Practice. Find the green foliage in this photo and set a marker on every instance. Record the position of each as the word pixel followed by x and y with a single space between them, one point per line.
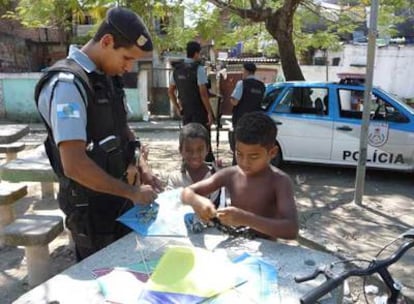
pixel 208 23
pixel 42 13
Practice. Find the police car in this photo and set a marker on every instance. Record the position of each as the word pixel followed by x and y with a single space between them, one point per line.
pixel 321 123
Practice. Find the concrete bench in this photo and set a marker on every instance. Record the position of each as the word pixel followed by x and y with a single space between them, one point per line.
pixel 9 194
pixel 10 133
pixel 11 150
pixel 34 232
pixel 32 167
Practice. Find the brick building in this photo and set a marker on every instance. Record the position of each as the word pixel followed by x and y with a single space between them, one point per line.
pixel 27 49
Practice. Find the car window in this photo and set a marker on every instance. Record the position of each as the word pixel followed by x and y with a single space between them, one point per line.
pixel 351 105
pixel 387 112
pixel 270 98
pixel 307 100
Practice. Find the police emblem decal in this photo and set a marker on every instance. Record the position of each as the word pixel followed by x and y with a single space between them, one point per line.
pixel 141 40
pixel 377 134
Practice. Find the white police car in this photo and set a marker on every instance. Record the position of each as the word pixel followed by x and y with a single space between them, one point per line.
pixel 321 123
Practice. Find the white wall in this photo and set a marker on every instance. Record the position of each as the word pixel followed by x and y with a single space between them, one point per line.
pixel 393 68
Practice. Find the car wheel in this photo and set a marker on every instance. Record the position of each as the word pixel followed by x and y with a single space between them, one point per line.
pixel 278 159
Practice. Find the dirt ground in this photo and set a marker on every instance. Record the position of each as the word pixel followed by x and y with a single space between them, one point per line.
pixel 329 220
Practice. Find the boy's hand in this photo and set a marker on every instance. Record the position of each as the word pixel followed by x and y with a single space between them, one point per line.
pixel 205 209
pixel 231 216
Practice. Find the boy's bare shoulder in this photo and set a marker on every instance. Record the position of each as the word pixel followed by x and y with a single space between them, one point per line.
pixel 280 174
pixel 227 171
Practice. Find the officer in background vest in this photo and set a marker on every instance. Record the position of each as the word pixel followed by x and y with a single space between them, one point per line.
pixel 189 78
pixel 247 97
pixel 90 146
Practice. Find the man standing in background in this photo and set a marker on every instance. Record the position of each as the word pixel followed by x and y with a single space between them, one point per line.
pixel 247 97
pixel 189 79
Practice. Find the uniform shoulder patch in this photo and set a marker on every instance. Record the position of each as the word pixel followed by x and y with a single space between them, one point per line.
pixel 68 110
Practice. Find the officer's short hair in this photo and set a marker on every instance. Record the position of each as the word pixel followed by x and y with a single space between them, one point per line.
pixel 193 130
pixel 126 27
pixel 256 128
pixel 192 48
pixel 250 67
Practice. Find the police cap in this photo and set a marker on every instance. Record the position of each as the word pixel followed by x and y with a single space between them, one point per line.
pixel 249 66
pixel 130 26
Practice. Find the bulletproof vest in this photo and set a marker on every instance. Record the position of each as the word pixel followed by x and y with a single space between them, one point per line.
pixel 107 138
pixel 185 77
pixel 252 97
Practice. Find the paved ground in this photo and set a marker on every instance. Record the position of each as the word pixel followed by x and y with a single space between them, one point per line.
pixel 328 217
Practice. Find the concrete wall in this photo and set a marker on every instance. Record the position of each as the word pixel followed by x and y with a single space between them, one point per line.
pixel 17 103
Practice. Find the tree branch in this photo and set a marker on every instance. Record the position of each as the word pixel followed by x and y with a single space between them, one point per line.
pixel 256 14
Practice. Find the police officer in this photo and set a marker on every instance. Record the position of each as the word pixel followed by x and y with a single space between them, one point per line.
pixel 90 146
pixel 247 97
pixel 189 78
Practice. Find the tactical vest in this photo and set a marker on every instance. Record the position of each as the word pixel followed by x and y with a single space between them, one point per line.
pixel 107 137
pixel 252 97
pixel 185 77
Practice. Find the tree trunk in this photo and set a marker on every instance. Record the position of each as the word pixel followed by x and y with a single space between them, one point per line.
pixel 280 26
pixel 290 64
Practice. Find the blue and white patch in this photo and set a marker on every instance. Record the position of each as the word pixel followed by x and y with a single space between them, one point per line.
pixel 68 110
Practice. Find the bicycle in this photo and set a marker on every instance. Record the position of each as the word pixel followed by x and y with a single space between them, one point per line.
pixel 375 266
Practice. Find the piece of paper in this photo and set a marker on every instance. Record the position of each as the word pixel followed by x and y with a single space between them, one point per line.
pixel 139 270
pixel 120 286
pixel 164 218
pixel 190 275
pixel 261 286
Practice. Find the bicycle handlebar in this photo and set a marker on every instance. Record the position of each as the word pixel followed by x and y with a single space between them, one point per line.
pixel 333 282
pixel 321 290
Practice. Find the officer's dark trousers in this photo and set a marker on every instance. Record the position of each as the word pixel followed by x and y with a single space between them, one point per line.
pixel 94 225
pixel 202 119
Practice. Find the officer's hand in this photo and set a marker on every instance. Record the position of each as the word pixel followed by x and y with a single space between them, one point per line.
pixel 179 112
pixel 150 179
pixel 132 175
pixel 210 119
pixel 145 152
pixel 144 195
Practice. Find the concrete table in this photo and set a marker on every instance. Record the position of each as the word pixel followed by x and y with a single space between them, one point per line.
pixel 77 284
pixel 33 167
pixel 12 133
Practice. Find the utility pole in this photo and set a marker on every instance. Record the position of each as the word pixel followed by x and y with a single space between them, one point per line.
pixel 363 140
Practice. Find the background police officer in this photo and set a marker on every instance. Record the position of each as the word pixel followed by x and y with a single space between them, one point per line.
pixel 189 78
pixel 89 144
pixel 247 97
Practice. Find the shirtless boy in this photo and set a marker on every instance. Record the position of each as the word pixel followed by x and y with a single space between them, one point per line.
pixel 261 195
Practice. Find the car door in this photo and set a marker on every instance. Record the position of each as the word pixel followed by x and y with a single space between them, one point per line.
pixel 390 137
pixel 304 123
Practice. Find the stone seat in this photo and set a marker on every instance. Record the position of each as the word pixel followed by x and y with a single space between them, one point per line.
pixel 9 194
pixel 34 232
pixel 12 149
